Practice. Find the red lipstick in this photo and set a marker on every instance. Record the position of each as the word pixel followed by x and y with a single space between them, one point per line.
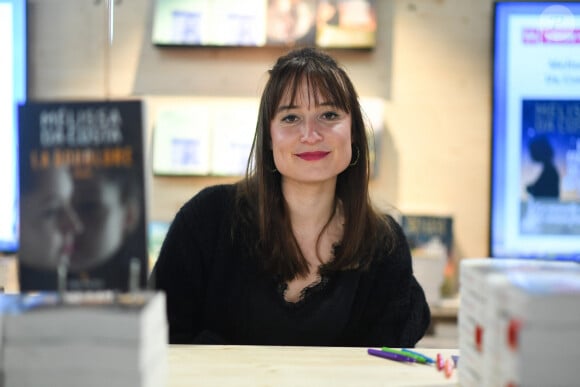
pixel 312 156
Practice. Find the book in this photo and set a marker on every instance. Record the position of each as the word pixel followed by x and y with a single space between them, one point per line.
pixel 84 338
pixel 208 137
pixel 154 376
pixel 81 315
pixel 482 288
pixel 181 140
pixel 539 320
pixel 544 298
pixel 430 239
pixel 82 195
pixel 550 167
pixel 546 202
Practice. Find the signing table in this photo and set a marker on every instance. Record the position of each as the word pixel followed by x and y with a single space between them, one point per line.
pixel 191 365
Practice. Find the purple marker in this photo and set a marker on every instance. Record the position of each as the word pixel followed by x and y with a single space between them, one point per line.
pixel 390 355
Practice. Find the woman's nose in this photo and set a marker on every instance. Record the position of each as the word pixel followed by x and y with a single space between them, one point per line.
pixel 310 133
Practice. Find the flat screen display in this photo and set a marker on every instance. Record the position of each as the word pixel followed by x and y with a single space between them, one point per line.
pixel 12 92
pixel 259 23
pixel 535 179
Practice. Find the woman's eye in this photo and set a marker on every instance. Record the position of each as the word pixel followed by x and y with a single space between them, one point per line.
pixel 290 118
pixel 330 115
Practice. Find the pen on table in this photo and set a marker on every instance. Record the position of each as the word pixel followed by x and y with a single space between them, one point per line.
pixel 448 368
pixel 390 355
pixel 455 360
pixel 427 358
pixel 440 362
pixel 416 356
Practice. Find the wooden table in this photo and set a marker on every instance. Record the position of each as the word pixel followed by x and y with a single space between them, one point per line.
pixel 253 366
pixel 261 366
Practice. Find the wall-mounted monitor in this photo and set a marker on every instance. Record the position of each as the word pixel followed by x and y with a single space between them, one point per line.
pixel 535 174
pixel 12 92
pixel 260 23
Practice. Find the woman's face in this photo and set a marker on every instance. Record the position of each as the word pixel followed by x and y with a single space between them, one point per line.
pixel 49 223
pixel 311 142
pixel 100 207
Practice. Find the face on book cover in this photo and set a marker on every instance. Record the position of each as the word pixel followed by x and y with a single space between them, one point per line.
pixel 108 214
pixel 49 223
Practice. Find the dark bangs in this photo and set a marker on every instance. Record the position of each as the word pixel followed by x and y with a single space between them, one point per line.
pixel 325 84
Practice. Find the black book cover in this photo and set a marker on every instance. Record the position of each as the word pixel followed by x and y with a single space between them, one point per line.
pixel 82 195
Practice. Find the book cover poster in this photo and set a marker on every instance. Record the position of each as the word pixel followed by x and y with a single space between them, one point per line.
pixel 82 195
pixel 430 239
pixel 550 167
pixel 182 140
pixel 210 22
pixel 428 235
pixel 265 23
pixel 209 137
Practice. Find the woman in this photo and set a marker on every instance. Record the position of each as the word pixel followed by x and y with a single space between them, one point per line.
pixel 48 227
pixel 547 184
pixel 109 205
pixel 294 254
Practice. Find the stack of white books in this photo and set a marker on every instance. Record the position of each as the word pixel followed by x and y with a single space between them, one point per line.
pixel 428 268
pixel 84 339
pixel 478 333
pixel 539 331
pixel 430 239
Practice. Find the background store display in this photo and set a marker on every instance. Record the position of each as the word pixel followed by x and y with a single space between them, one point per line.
pixel 13 69
pixel 535 179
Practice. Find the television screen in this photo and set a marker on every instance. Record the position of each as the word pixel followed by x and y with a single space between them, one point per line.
pixel 12 92
pixel 535 178
pixel 259 23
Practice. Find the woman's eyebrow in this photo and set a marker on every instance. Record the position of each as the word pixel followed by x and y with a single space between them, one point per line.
pixel 288 107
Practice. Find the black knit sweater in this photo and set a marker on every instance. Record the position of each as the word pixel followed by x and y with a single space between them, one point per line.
pixel 217 293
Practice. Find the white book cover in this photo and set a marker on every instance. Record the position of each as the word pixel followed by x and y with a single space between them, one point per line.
pixel 528 319
pixel 538 371
pixel 182 139
pixel 545 298
pixel 101 354
pixel 126 317
pixel 476 294
pixel 154 375
pixel 474 273
pixel 204 137
pixel 84 339
pixel 234 124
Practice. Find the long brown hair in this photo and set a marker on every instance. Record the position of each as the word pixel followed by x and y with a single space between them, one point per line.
pixel 260 200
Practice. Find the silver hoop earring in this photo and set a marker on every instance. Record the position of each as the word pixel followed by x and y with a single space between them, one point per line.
pixel 355 161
